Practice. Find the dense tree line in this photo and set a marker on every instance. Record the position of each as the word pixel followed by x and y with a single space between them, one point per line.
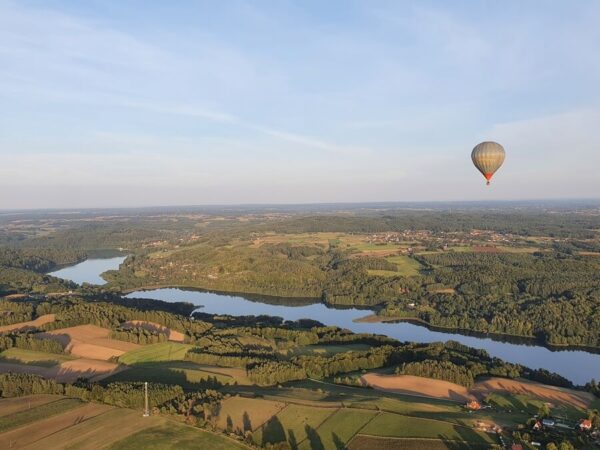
pixel 28 341
pixel 273 372
pixel 200 357
pixel 440 370
pixel 75 311
pixel 14 311
pixel 138 335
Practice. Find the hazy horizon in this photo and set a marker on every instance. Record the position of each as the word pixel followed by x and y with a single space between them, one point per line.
pixel 138 104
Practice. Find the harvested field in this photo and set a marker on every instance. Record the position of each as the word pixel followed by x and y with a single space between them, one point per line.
pixel 30 415
pixel 92 369
pixel 22 356
pixel 67 371
pixel 543 392
pixel 91 434
pixel 177 437
pixel 90 341
pixel 30 325
pixel 412 385
pixel 14 405
pixel 258 412
pixel 172 335
pixel 35 431
pixel 362 442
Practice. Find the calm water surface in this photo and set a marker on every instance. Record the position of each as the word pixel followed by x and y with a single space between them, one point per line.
pixel 89 270
pixel 577 365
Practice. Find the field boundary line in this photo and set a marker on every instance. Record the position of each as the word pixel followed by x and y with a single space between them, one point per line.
pixel 319 425
pixel 74 425
pixel 364 425
pixel 263 424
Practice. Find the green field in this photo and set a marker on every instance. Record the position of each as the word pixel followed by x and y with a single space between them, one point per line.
pixel 40 412
pixel 407 266
pixel 21 356
pixel 338 429
pixel 164 351
pixel 176 436
pixel 247 413
pixel 294 424
pixel 361 442
pixel 394 425
pixel 186 374
pixel 331 349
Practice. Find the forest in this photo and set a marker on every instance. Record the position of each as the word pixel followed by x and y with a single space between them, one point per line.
pixel 543 287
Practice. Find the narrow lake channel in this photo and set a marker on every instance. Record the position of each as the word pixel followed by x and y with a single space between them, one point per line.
pixel 577 365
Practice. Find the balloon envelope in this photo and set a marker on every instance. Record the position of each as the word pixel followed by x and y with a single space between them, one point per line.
pixel 488 157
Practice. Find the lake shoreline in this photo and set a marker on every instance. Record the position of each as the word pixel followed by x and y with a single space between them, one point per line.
pixel 499 337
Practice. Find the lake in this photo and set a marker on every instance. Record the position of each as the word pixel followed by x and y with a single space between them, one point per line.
pixel 577 365
pixel 89 270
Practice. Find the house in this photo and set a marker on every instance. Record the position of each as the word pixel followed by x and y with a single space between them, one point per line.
pixel 548 422
pixel 537 425
pixel 585 424
pixel 516 447
pixel 473 405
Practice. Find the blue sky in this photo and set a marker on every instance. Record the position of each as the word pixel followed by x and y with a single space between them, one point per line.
pixel 131 103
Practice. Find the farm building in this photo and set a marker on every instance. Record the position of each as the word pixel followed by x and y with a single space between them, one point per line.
pixel 473 405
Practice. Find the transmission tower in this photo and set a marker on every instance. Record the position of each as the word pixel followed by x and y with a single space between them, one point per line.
pixel 146 410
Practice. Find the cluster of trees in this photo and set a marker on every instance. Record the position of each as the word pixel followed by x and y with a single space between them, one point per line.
pixel 14 311
pixel 593 387
pixel 543 296
pixel 138 335
pixel 273 372
pixel 75 311
pixel 440 370
pixel 28 341
pixel 199 405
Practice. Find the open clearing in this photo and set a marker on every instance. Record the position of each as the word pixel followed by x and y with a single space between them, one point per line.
pixel 184 373
pixel 91 434
pixel 43 427
pixel 543 392
pixel 30 325
pixel 361 442
pixel 394 425
pixel 412 385
pixel 22 356
pixel 294 423
pixel 258 411
pixel 67 371
pixel 176 436
pixel 14 405
pixel 40 412
pixel 172 335
pixel 163 351
pixel 339 428
pixel 90 341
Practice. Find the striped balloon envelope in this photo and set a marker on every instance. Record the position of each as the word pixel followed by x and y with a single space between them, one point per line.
pixel 488 157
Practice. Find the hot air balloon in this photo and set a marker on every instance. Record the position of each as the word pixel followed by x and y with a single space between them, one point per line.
pixel 488 157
